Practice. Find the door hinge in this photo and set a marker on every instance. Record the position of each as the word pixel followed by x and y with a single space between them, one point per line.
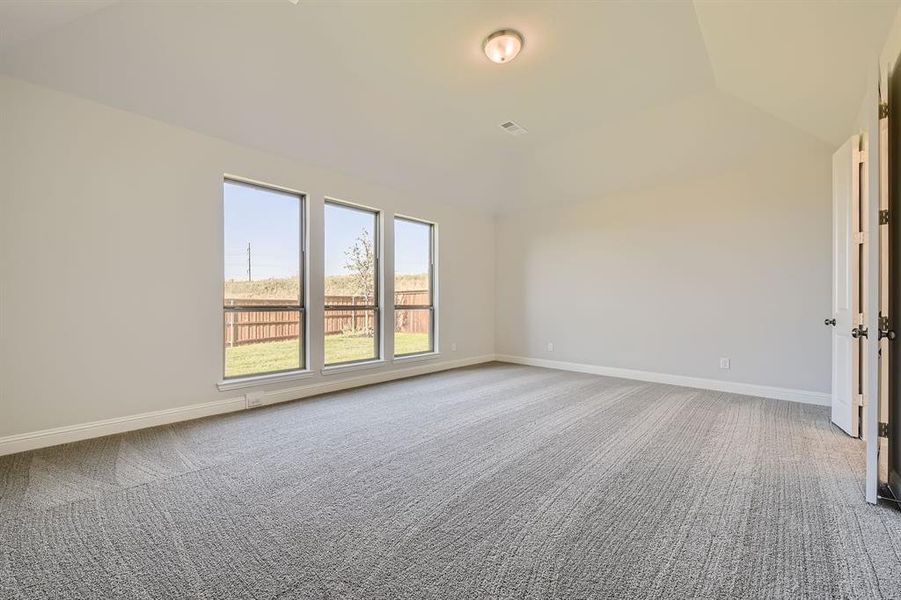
pixel 883 430
pixel 883 216
pixel 858 399
pixel 860 237
pixel 883 110
pixel 884 331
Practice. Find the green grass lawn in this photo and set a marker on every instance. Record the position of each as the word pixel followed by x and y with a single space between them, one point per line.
pixel 283 355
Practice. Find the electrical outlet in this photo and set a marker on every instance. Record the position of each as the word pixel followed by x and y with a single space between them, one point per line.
pixel 724 363
pixel 253 399
pixel 550 346
pixel 454 347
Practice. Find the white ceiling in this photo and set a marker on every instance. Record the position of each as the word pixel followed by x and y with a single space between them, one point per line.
pixel 805 62
pixel 612 93
pixel 20 21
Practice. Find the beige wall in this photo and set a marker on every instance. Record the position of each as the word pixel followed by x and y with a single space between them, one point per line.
pixel 103 208
pixel 670 279
pixel 110 214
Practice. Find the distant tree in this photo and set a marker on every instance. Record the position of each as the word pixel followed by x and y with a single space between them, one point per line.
pixel 361 265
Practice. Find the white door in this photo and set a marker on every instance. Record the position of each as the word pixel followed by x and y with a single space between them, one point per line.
pixel 845 286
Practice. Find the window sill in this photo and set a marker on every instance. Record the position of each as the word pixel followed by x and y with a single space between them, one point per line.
pixel 257 380
pixel 359 366
pixel 416 357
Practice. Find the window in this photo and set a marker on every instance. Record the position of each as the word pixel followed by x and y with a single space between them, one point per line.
pixel 414 283
pixel 264 297
pixel 351 284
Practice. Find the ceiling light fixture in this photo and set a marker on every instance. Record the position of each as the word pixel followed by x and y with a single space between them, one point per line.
pixel 502 46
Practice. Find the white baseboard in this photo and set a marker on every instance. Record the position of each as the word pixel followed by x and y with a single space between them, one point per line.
pixel 83 431
pixel 73 433
pixel 324 387
pixel 747 389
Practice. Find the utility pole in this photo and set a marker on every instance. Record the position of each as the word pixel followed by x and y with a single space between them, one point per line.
pixel 249 275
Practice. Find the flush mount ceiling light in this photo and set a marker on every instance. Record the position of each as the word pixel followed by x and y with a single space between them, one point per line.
pixel 502 46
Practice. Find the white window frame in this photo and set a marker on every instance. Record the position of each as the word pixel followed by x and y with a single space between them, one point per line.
pixel 377 292
pixel 433 285
pixel 247 380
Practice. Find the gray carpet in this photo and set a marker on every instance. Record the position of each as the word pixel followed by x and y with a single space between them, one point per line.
pixel 497 481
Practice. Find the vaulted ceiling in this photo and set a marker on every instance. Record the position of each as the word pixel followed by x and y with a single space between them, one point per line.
pixel 615 95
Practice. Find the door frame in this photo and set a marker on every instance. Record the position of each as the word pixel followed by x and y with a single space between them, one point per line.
pixel 885 264
pixel 871 288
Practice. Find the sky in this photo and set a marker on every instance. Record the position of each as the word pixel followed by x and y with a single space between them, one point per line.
pixel 411 247
pixel 270 221
pixel 342 227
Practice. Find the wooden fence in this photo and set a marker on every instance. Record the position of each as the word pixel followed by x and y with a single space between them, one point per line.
pixel 250 327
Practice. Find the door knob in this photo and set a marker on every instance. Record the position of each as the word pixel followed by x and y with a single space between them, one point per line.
pixel 829 322
pixel 859 332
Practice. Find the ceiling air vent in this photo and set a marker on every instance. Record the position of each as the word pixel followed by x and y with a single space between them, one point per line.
pixel 513 128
